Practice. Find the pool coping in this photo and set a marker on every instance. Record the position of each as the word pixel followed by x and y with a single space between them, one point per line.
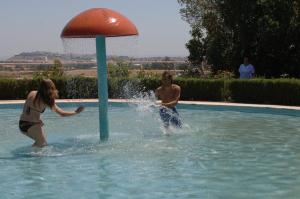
pixel 180 102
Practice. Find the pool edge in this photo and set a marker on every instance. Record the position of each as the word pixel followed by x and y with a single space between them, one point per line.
pixel 180 102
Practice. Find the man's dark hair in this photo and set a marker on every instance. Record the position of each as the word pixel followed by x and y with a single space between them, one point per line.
pixel 167 74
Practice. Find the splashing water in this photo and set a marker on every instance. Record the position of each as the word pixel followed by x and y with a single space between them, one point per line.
pixel 115 46
pixel 145 104
pixel 79 46
pixel 122 46
pixel 142 100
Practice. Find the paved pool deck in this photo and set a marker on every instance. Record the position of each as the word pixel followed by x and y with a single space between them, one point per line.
pixel 180 102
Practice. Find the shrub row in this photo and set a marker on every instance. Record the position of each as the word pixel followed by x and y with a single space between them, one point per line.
pixel 265 91
pixel 261 91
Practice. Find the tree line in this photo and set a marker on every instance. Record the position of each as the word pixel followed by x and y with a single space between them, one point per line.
pixel 267 31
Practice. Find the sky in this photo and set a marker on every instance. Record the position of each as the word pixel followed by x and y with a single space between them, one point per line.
pixel 35 25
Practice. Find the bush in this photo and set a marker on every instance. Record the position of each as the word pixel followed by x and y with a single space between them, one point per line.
pixel 55 71
pixel 201 89
pixel 261 91
pixel 118 71
pixel 12 89
pixel 265 91
pixel 283 91
pixel 246 91
pixel 78 87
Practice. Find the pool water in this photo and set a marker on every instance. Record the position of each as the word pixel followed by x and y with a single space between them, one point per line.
pixel 221 152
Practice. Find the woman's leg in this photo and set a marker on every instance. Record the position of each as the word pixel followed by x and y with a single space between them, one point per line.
pixel 36 133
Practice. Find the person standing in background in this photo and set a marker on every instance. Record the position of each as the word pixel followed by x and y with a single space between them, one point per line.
pixel 246 69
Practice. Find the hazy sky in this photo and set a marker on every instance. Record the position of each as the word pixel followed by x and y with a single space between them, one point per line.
pixel 35 25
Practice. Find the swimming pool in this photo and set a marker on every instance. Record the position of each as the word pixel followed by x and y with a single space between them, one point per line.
pixel 221 152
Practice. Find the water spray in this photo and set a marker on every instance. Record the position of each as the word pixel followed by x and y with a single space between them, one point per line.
pixel 100 23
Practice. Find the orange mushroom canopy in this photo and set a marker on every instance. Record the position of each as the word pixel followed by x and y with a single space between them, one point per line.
pixel 99 21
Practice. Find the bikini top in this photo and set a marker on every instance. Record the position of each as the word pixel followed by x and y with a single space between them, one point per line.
pixel 30 108
pixel 31 112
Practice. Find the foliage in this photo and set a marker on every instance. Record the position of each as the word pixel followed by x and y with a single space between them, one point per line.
pixel 221 74
pixel 201 89
pixel 54 71
pixel 163 65
pixel 262 91
pixel 191 72
pixel 80 87
pixel 119 70
pixel 141 73
pixel 146 74
pixel 266 30
pixel 196 46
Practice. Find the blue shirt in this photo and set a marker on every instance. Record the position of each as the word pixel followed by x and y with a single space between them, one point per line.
pixel 246 72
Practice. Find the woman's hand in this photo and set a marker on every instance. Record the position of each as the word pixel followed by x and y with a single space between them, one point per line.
pixel 79 109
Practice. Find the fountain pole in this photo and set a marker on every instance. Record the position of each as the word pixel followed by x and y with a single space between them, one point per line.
pixel 102 86
pixel 100 23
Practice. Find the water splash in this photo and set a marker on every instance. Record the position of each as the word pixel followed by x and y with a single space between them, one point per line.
pixel 147 107
pixel 115 46
pixel 140 98
pixel 79 46
pixel 122 46
pixel 84 144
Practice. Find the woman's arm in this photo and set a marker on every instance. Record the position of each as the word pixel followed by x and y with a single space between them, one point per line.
pixel 64 113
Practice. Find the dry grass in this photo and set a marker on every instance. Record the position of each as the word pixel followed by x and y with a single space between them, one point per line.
pixel 83 72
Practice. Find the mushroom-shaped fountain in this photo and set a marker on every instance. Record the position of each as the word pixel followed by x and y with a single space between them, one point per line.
pixel 100 23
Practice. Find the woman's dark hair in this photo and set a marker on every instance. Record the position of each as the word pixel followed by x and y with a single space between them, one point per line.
pixel 47 93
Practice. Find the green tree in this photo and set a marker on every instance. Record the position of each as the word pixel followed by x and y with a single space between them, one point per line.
pixel 266 30
pixel 55 71
pixel 196 46
pixel 120 70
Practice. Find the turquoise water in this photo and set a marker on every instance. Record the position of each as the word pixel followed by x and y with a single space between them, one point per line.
pixel 220 153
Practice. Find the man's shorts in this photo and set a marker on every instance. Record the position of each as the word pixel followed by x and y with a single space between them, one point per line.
pixel 170 116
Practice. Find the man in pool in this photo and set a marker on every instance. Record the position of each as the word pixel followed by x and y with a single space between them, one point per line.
pixel 169 95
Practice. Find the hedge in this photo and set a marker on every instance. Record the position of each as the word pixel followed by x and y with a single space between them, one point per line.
pixel 201 89
pixel 261 91
pixel 265 91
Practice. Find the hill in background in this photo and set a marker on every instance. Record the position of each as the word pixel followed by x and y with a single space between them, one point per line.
pixel 48 57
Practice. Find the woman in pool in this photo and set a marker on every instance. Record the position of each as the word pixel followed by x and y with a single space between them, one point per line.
pixel 30 123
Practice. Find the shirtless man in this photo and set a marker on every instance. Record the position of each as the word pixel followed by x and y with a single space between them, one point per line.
pixel 169 95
